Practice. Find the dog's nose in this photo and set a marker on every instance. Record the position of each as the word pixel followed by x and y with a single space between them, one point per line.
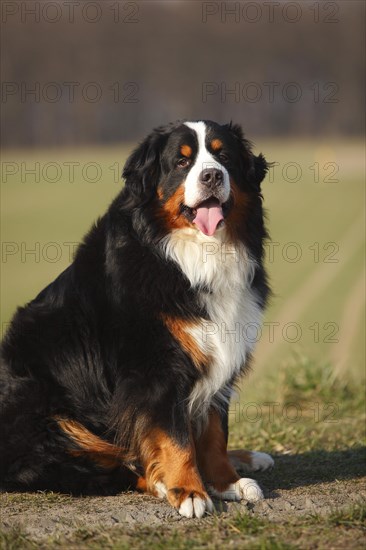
pixel 211 177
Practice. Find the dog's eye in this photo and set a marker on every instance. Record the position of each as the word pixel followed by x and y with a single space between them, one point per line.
pixel 223 157
pixel 183 162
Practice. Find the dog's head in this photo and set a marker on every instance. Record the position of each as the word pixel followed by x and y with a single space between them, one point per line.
pixel 200 175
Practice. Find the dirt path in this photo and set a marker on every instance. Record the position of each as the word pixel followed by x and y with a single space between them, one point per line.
pixel 43 515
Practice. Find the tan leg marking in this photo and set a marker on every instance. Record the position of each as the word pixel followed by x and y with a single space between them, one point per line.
pixel 212 457
pixel 171 470
pixel 216 469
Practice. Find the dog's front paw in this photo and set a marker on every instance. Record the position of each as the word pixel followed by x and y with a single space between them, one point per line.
pixel 194 506
pixel 190 503
pixel 243 489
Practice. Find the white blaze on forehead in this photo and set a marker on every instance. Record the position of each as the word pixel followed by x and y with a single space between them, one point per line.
pixel 193 188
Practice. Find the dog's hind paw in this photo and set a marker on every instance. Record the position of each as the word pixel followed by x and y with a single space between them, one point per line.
pixel 243 489
pixel 250 461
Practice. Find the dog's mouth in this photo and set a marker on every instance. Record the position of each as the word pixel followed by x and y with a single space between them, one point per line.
pixel 208 215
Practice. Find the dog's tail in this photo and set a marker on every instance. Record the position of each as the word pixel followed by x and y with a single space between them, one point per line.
pixel 86 444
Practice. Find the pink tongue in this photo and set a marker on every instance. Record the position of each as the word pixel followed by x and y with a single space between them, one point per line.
pixel 209 215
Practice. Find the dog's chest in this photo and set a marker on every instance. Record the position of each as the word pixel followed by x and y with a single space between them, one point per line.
pixel 229 330
pixel 226 337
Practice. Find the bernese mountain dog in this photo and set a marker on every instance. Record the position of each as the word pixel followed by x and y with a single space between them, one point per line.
pixel 118 375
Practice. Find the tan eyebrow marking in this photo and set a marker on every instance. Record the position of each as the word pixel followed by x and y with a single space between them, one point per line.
pixel 216 144
pixel 186 150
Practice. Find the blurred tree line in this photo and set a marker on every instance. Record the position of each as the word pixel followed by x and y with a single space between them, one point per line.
pixel 78 72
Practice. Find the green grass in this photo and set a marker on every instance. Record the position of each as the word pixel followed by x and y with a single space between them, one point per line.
pixel 309 409
pixel 354 516
pixel 15 539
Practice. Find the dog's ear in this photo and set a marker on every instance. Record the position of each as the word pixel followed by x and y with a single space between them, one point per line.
pixel 142 169
pixel 254 167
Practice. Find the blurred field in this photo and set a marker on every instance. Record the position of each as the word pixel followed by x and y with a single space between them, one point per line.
pixel 315 261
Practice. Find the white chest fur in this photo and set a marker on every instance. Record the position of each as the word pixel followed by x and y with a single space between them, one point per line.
pixel 234 316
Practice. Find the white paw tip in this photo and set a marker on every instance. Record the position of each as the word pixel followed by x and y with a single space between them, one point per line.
pixel 199 506
pixel 261 461
pixel 209 506
pixel 195 507
pixel 249 490
pixel 160 489
pixel 186 508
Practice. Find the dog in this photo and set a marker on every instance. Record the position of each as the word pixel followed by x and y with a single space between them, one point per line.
pixel 118 375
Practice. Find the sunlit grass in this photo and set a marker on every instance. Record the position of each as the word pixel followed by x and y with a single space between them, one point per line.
pixel 301 407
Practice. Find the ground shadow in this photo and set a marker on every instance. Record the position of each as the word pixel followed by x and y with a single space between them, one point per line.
pixel 314 467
